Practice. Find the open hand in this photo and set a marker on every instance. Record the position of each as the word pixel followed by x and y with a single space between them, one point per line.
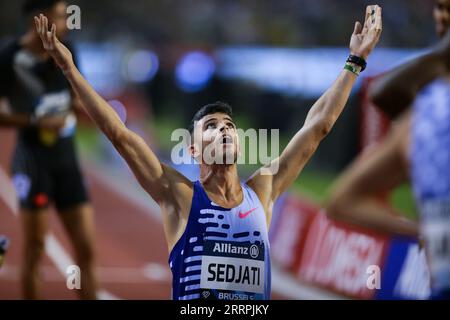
pixel 365 38
pixel 58 51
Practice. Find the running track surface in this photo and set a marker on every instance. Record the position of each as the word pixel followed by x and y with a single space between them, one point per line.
pixel 130 246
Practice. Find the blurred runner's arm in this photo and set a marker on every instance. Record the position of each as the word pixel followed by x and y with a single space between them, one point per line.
pixel 355 196
pixel 151 174
pixel 21 120
pixel 323 114
pixel 8 119
pixel 394 92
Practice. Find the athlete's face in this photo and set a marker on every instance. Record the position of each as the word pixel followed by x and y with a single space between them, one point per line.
pixel 216 134
pixel 441 14
pixel 58 15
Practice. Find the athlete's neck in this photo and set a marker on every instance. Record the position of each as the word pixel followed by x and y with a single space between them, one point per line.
pixel 222 184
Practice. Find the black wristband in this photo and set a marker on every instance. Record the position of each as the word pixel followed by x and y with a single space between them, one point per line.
pixel 358 61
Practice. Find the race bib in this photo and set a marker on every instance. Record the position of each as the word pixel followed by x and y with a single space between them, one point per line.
pixel 229 267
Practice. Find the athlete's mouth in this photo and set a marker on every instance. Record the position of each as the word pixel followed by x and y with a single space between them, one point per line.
pixel 226 139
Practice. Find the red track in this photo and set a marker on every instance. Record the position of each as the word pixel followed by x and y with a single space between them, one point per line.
pixel 127 240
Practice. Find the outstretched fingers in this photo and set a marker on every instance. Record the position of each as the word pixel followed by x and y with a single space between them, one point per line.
pixel 378 20
pixel 45 28
pixel 37 24
pixel 358 28
pixel 40 29
pixel 48 37
pixel 53 35
pixel 371 13
pixel 367 20
pixel 375 19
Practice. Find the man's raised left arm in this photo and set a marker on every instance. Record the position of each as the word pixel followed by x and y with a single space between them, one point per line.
pixel 324 113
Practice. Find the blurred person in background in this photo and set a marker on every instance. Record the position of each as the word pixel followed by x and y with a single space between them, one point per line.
pixel 417 149
pixel 45 166
pixel 238 214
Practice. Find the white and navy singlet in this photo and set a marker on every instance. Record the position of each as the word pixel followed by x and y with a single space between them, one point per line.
pixel 223 253
pixel 430 173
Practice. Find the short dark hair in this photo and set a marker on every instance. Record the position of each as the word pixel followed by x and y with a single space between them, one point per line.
pixel 31 6
pixel 215 107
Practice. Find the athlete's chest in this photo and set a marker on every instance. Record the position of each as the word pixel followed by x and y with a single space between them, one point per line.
pixel 245 222
pixel 234 244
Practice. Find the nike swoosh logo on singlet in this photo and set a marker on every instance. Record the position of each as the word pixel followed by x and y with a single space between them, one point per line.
pixel 243 215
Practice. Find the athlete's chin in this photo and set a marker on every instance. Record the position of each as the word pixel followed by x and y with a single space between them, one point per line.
pixel 228 154
pixel 232 155
pixel 225 159
pixel 229 158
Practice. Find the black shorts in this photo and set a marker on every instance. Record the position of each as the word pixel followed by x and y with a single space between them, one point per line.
pixel 43 174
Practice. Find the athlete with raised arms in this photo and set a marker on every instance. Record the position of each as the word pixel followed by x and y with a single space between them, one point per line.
pixel 217 228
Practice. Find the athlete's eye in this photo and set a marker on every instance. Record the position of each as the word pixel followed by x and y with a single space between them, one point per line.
pixel 211 125
pixel 231 125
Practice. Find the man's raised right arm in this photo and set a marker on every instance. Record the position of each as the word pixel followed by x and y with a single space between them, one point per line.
pixel 145 165
pixel 143 162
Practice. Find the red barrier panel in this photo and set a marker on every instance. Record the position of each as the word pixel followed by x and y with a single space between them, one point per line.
pixel 291 230
pixel 374 124
pixel 336 256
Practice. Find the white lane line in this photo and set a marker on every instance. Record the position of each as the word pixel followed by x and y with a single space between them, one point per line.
pixel 128 188
pixel 12 273
pixel 57 254
pixel 102 294
pixel 130 191
pixel 62 260
pixel 286 285
pixel 54 249
pixel 115 275
pixel 157 272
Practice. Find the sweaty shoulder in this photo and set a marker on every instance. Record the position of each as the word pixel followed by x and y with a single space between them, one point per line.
pixel 179 189
pixel 262 186
pixel 177 203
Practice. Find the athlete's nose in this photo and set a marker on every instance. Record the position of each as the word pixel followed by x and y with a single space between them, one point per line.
pixel 223 127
